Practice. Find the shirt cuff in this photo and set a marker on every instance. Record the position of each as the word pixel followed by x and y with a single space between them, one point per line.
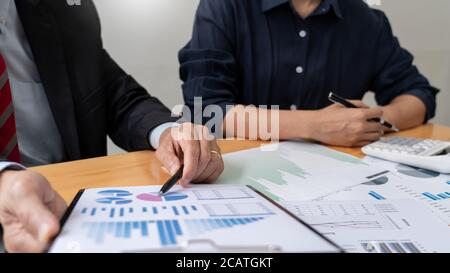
pixel 156 133
pixel 427 99
pixel 7 165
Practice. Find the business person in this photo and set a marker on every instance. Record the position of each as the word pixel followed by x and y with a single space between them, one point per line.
pixel 292 54
pixel 61 94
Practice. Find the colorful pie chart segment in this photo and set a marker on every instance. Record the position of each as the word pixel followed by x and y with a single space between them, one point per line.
pixel 154 197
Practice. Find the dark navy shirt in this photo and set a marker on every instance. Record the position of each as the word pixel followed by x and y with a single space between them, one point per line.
pixel 262 52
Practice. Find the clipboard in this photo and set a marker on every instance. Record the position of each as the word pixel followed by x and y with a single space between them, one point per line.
pixel 200 244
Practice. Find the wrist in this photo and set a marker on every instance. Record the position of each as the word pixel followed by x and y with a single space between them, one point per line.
pixel 307 122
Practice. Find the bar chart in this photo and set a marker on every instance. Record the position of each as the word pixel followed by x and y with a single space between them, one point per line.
pixel 376 195
pixel 120 212
pixel 201 226
pixel 390 247
pixel 437 197
pixel 167 231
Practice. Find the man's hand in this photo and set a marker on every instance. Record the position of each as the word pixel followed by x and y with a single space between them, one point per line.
pixel 193 146
pixel 336 125
pixel 29 211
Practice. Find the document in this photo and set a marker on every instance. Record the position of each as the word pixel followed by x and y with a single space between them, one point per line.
pixel 428 188
pixel 296 171
pixel 383 226
pixel 198 219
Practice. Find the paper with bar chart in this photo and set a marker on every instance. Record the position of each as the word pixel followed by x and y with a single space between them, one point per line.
pixel 429 188
pixel 200 218
pixel 295 171
pixel 383 226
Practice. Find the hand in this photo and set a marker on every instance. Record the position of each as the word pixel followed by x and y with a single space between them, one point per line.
pixel 193 146
pixel 336 125
pixel 29 211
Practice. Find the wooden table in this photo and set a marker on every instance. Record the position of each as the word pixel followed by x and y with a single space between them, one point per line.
pixel 142 168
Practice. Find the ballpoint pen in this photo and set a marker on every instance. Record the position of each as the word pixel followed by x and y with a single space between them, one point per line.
pixel 336 99
pixel 172 181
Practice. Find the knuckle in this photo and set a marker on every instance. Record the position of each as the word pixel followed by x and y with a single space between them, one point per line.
pixel 20 187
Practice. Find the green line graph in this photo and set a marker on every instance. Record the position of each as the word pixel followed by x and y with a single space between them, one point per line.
pixel 264 169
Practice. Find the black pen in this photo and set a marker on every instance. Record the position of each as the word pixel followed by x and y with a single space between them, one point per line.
pixel 172 181
pixel 336 99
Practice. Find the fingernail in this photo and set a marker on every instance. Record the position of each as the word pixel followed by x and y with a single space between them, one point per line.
pixel 184 182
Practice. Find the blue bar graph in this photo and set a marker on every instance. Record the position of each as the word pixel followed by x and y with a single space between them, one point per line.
pixel 175 211
pixel 376 195
pixel 448 182
pixel 437 197
pixel 166 230
pixel 123 212
pixel 200 226
pixel 185 210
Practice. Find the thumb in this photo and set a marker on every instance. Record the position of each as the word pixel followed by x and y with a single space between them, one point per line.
pixel 37 219
pixel 359 104
pixel 171 162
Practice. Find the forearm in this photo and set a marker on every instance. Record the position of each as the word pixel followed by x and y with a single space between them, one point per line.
pixel 405 112
pixel 255 123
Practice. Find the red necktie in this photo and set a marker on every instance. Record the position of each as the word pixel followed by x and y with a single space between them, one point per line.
pixel 9 148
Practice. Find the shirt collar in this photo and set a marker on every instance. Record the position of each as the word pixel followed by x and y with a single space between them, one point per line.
pixel 326 4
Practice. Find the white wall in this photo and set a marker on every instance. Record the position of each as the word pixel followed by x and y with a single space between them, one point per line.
pixel 144 37
pixel 423 27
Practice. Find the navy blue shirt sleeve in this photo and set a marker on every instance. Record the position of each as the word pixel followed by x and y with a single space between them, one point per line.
pixel 208 63
pixel 395 73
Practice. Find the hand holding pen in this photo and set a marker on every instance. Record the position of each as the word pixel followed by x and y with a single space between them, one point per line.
pixel 341 101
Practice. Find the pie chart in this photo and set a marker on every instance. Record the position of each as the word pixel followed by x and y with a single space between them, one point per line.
pixel 155 197
pixel 114 197
pixel 115 193
pixel 113 201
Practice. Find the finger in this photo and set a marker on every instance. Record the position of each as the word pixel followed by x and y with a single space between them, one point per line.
pixel 191 154
pixel 371 137
pixel 359 104
pixel 210 169
pixel 376 112
pixel 17 240
pixel 205 152
pixel 169 159
pixel 362 143
pixel 213 177
pixel 373 127
pixel 36 218
pixel 58 206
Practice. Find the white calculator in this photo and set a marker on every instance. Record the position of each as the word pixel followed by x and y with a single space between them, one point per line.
pixel 427 154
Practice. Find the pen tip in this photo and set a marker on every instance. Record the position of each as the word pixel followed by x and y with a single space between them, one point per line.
pixel 160 193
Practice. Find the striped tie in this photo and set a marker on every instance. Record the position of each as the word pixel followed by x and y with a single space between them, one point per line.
pixel 9 148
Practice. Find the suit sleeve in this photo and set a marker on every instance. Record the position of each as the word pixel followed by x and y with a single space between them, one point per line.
pixel 132 112
pixel 395 73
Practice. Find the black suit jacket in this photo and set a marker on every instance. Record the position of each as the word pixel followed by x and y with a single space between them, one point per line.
pixel 89 94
